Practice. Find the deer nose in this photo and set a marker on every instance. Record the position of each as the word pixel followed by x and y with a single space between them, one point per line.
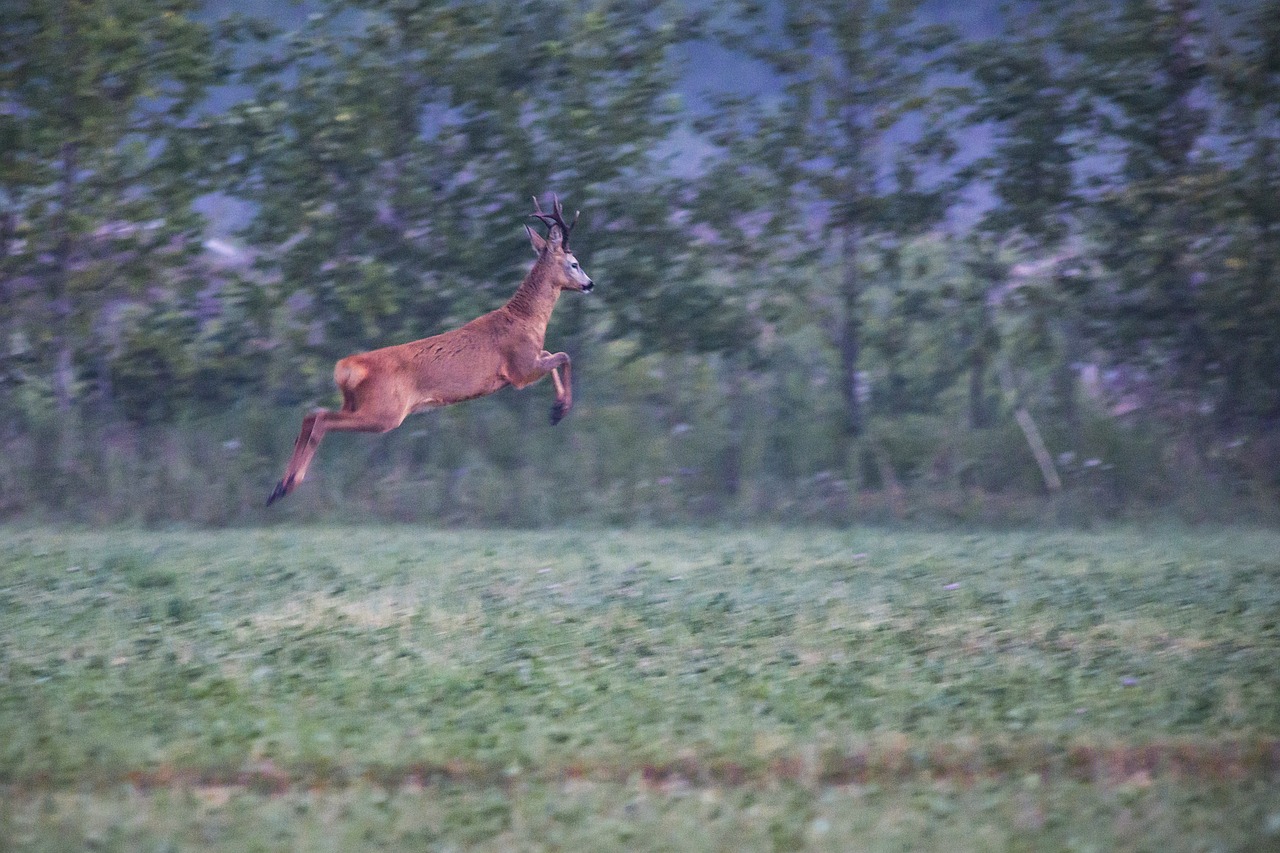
pixel 586 288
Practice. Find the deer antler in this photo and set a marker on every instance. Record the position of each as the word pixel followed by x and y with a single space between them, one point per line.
pixel 555 219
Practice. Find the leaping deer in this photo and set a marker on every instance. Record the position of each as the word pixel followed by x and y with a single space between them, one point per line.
pixel 382 387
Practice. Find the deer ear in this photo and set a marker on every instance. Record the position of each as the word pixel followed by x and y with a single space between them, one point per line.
pixel 539 244
pixel 555 236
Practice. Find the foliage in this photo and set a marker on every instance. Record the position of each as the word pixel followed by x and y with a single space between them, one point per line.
pixel 1244 300
pixel 391 154
pixel 817 158
pixel 98 172
pixel 913 232
pixel 1169 218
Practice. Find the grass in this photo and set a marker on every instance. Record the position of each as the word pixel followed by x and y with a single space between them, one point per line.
pixel 368 688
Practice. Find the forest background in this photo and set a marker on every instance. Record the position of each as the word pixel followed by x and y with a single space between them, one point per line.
pixel 969 263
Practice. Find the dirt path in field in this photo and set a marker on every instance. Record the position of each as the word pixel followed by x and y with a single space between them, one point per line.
pixel 893 759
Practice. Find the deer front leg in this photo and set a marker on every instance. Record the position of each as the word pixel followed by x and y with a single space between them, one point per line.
pixel 564 389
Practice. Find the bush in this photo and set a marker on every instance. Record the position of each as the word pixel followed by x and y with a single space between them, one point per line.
pixel 670 442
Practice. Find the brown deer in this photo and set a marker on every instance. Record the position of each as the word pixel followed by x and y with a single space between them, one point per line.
pixel 504 347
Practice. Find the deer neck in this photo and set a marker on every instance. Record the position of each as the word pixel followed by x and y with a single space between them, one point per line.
pixel 536 296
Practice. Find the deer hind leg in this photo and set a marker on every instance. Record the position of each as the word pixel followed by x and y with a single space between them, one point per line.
pixel 303 449
pixel 314 426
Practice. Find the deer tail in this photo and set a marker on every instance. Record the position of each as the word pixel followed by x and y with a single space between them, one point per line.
pixel 348 373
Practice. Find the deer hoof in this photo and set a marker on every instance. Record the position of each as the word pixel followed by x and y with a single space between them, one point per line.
pixel 558 411
pixel 277 493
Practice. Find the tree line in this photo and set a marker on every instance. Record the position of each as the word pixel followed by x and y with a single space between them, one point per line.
pixel 919 251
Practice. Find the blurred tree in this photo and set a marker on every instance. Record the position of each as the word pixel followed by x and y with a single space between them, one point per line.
pixel 847 153
pixel 1145 78
pixel 1026 93
pixel 1183 207
pixel 98 109
pixel 1245 280
pixel 389 152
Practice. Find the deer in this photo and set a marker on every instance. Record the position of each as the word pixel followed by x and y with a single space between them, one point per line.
pixel 382 387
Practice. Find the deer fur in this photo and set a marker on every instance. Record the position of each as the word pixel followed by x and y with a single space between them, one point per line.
pixel 382 387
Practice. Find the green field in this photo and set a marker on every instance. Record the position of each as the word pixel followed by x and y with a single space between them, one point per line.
pixel 391 688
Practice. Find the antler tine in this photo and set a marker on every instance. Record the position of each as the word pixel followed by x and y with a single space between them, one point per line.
pixel 559 213
pixel 555 218
pixel 538 214
pixel 547 218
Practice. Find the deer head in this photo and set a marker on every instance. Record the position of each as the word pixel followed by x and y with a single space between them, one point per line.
pixel 554 250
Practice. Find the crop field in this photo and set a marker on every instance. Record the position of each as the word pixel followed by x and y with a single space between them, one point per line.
pixel 368 688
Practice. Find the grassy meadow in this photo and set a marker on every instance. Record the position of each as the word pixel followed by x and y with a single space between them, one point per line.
pixel 378 688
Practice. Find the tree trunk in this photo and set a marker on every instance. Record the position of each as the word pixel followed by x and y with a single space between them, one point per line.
pixel 59 287
pixel 849 340
pixel 59 282
pixel 1031 432
pixel 731 456
pixel 1066 382
pixel 1039 450
pixel 978 389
